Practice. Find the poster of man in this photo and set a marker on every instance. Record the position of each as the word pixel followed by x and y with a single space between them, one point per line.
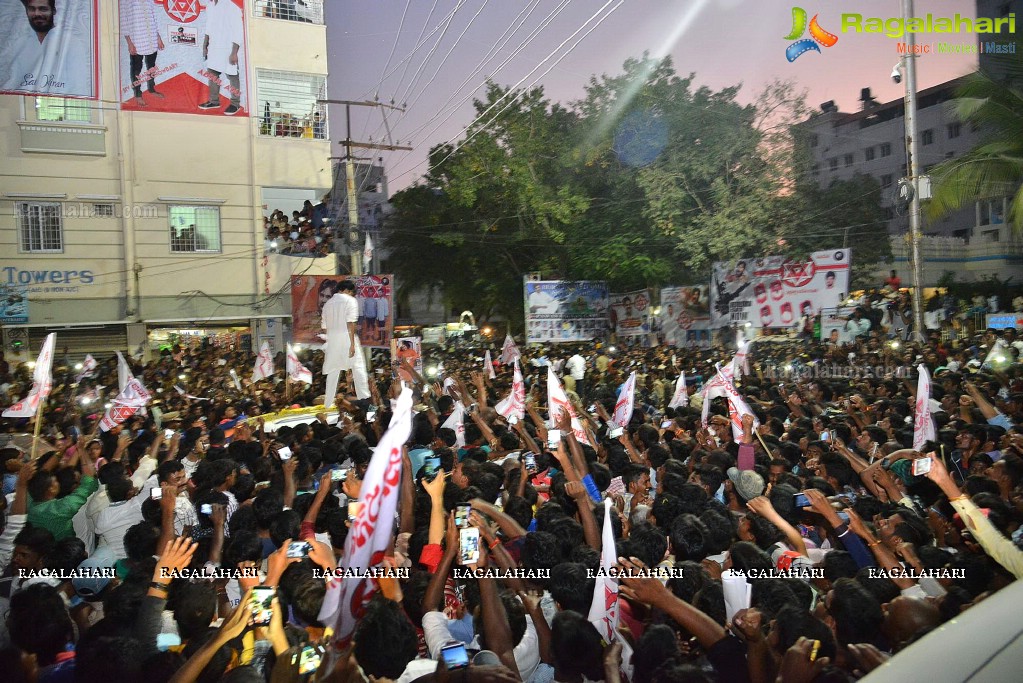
pixel 374 293
pixel 184 58
pixel 684 310
pixel 630 313
pixel 49 47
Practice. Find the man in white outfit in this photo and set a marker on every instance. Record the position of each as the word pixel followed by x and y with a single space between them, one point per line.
pixel 343 350
pixel 51 53
pixel 224 38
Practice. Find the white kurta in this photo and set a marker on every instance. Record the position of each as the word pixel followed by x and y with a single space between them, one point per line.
pixel 224 28
pixel 60 65
pixel 340 310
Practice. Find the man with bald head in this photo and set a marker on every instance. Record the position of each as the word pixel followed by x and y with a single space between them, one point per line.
pixel 907 618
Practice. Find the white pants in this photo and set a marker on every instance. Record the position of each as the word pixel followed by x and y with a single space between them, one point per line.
pixel 359 375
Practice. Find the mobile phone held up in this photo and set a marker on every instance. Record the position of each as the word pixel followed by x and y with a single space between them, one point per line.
pixel 284 453
pixel 921 466
pixel 430 467
pixel 553 439
pixel 530 462
pixel 800 500
pixel 615 432
pixel 309 660
pixel 299 549
pixel 462 511
pixel 338 475
pixel 262 605
pixel 455 656
pixel 468 545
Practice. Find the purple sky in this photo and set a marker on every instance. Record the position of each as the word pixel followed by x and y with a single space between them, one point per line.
pixel 723 41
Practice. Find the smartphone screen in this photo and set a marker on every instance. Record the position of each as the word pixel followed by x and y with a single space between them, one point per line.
pixel 338 475
pixel 299 549
pixel 665 424
pixel 206 509
pixel 309 660
pixel 284 453
pixel 615 432
pixel 262 605
pixel 553 438
pixel 469 545
pixel 371 416
pixel 530 462
pixel 455 656
pixel 462 515
pixel 922 466
pixel 168 433
pixel 353 510
pixel 430 466
pixel 800 500
pixel 156 493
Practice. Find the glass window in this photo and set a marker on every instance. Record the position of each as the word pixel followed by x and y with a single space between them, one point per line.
pixel 288 104
pixel 870 153
pixel 833 163
pixel 308 11
pixel 63 109
pixel 886 149
pixel 954 130
pixel 927 137
pixel 848 160
pixel 194 228
pixel 40 228
pixel 887 180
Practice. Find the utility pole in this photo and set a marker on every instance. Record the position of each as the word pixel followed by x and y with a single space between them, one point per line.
pixel 351 190
pixel 913 169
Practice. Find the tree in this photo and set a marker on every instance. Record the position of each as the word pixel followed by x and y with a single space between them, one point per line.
pixel 994 168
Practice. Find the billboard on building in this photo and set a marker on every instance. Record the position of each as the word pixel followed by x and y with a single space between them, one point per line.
pixel 629 314
pixel 376 311
pixel 13 304
pixel 183 57
pixel 49 47
pixel 776 291
pixel 685 316
pixel 563 311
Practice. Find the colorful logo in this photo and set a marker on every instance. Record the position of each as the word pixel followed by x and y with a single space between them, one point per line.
pixel 817 35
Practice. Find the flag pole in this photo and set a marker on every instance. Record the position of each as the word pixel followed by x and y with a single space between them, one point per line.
pixel 35 432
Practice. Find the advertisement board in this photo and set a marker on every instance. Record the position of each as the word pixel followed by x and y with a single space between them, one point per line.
pixel 565 311
pixel 629 314
pixel 375 296
pixel 13 304
pixel 776 291
pixel 685 316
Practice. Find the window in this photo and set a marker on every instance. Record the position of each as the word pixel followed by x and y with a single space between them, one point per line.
pixel 869 153
pixel 104 210
pixel 288 105
pixel 194 228
pixel 927 137
pixel 886 149
pixel 833 163
pixel 990 235
pixel 848 160
pixel 887 180
pixel 307 11
pixel 39 227
pixel 62 109
pixel 954 130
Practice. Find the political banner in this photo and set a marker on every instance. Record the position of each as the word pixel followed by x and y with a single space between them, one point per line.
pixel 408 349
pixel 564 311
pixel 629 314
pixel 776 291
pixel 49 47
pixel 685 316
pixel 833 321
pixel 374 293
pixel 13 304
pixel 183 57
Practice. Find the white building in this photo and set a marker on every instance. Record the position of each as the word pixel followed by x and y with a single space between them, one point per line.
pixel 95 200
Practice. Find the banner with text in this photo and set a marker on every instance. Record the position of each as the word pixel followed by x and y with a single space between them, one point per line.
pixel 685 316
pixel 563 311
pixel 49 47
pixel 183 57
pixel 629 314
pixel 776 291
pixel 375 296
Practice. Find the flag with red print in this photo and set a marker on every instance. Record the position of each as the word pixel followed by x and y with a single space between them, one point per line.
pixel 124 373
pixel 715 388
pixel 489 365
pixel 88 366
pixel 509 352
pixel 557 403
pixel 264 363
pixel 372 532
pixel 132 398
pixel 456 423
pixel 737 407
pixel 681 397
pixel 42 382
pixel 515 404
pixel 626 402
pixel 296 371
pixel 604 607
pixel 923 425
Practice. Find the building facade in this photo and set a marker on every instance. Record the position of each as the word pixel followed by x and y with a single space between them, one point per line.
pixel 128 227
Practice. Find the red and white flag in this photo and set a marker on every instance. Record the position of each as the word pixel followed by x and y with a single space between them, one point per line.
pixel 515 404
pixel 923 425
pixel 264 363
pixel 133 397
pixel 372 532
pixel 124 373
pixel 42 382
pixel 557 403
pixel 181 391
pixel 604 607
pixel 626 402
pixel 456 422
pixel 737 407
pixel 714 388
pixel 681 397
pixel 489 365
pixel 367 253
pixel 296 371
pixel 88 365
pixel 509 352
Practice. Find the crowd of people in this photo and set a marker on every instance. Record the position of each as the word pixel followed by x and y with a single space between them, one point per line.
pixel 307 233
pixel 854 550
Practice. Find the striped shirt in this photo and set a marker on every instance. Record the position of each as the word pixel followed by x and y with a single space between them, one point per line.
pixel 138 22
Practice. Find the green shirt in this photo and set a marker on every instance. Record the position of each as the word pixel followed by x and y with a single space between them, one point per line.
pixel 56 515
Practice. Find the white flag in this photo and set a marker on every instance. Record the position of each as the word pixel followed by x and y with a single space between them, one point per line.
pixel 681 397
pixel 180 390
pixel 124 374
pixel 264 363
pixel 509 352
pixel 133 397
pixel 515 404
pixel 997 354
pixel 371 535
pixel 234 379
pixel 42 382
pixel 923 425
pixel 626 401
pixel 740 362
pixel 489 364
pixel 604 607
pixel 557 403
pixel 737 407
pixel 88 365
pixel 296 371
pixel 714 388
pixel 367 252
pixel 456 421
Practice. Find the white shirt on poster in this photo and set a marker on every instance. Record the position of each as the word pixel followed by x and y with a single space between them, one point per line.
pixel 59 65
pixel 340 310
pixel 225 30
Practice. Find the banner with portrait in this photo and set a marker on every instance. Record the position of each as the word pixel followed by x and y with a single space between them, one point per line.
pixel 407 349
pixel 183 57
pixel 776 291
pixel 685 316
pixel 375 294
pixel 49 47
pixel 629 314
pixel 564 311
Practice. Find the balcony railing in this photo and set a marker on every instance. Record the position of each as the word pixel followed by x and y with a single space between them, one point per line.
pixel 306 11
